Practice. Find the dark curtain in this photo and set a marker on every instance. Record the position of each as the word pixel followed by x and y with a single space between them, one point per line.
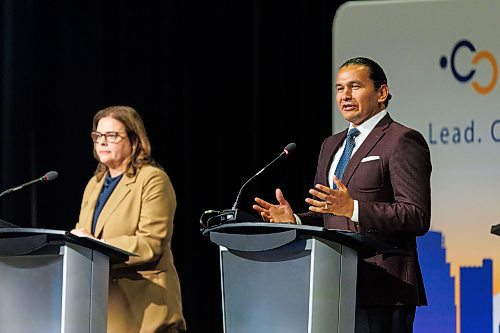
pixel 222 86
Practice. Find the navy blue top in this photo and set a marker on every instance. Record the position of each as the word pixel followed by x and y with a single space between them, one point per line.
pixel 107 189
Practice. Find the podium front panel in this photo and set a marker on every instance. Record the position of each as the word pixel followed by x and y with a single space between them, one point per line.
pixel 31 293
pixel 60 288
pixel 306 286
pixel 255 299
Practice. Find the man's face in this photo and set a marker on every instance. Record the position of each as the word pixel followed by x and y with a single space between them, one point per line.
pixel 356 96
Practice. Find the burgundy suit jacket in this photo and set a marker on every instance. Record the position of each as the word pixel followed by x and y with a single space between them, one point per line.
pixel 392 187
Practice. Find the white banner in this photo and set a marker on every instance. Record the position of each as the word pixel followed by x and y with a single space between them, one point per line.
pixel 441 60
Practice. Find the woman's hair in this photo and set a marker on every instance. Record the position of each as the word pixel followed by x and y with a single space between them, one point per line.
pixel 136 132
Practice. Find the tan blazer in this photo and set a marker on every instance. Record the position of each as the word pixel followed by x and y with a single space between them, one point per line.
pixel 144 293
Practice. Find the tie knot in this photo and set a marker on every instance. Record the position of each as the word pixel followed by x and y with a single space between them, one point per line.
pixel 353 132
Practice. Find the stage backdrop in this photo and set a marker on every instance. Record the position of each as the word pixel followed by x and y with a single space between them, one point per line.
pixel 441 59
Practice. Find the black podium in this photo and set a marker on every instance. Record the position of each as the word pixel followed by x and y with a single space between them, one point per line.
pixel 286 278
pixel 53 281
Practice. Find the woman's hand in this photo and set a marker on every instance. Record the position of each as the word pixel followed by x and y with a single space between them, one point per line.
pixel 81 232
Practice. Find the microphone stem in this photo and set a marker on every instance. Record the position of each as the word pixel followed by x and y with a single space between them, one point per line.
pixel 264 168
pixel 20 186
pixel 248 181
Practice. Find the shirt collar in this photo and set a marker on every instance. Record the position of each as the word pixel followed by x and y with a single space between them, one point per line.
pixel 370 124
pixel 110 180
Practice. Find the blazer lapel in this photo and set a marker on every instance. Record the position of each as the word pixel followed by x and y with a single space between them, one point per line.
pixel 335 146
pixel 371 140
pixel 119 193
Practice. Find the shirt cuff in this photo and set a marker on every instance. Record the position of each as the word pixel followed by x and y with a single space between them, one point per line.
pixel 297 219
pixel 355 212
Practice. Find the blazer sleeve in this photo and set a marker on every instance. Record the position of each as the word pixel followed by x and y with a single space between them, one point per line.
pixel 312 218
pixel 86 206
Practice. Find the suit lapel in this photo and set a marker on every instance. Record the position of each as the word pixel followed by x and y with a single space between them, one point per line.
pixel 371 140
pixel 335 146
pixel 116 198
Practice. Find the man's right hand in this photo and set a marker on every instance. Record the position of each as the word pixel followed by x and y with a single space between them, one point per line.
pixel 279 213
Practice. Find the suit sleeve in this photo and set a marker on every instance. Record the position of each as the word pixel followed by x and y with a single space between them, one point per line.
pixel 155 224
pixel 312 218
pixel 85 202
pixel 409 170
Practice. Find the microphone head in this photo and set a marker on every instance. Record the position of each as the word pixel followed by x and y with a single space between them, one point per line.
pixel 290 148
pixel 50 175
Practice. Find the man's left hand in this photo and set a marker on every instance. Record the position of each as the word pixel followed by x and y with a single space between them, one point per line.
pixel 330 201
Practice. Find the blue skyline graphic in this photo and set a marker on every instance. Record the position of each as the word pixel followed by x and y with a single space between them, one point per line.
pixel 476 292
pixel 440 315
pixel 476 301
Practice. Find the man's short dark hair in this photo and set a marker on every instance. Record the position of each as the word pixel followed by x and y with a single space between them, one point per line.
pixel 377 74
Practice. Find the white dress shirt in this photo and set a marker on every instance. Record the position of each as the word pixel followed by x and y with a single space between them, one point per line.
pixel 364 129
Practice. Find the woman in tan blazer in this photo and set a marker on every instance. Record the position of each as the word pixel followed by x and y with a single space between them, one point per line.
pixel 130 204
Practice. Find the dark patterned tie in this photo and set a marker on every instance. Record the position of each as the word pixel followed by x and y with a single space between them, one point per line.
pixel 346 154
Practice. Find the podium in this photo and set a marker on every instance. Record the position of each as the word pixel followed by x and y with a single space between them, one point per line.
pixel 53 281
pixel 286 278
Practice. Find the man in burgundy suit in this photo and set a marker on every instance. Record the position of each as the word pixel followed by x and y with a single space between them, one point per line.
pixel 383 191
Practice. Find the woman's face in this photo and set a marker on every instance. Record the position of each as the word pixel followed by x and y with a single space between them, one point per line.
pixel 112 154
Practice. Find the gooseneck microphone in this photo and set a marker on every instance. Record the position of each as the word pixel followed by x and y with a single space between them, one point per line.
pixel 212 218
pixel 290 148
pixel 48 176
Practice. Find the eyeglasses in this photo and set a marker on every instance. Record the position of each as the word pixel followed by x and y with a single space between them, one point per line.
pixel 110 137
